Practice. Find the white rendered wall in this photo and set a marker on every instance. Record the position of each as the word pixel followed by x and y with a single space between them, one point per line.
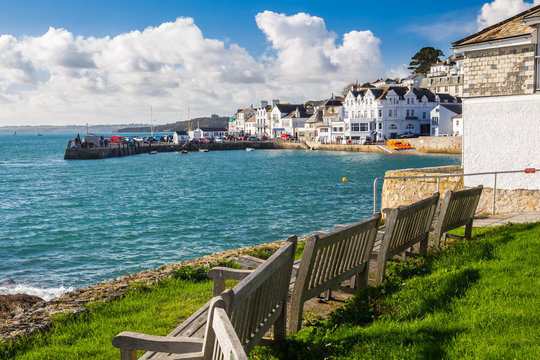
pixel 500 134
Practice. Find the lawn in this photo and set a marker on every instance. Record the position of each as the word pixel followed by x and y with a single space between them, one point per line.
pixel 478 299
pixel 475 299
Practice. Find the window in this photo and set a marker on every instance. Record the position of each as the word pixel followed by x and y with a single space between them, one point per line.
pixel 365 113
pixel 389 112
pixel 409 127
pixel 372 113
pixel 424 115
pixel 412 112
pixel 407 112
pixel 457 122
pixel 380 126
pixel 380 113
pixel 355 127
pixel 408 101
pixel 363 126
pixel 392 127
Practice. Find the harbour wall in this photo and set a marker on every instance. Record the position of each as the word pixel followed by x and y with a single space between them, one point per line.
pixel 404 192
pixel 437 144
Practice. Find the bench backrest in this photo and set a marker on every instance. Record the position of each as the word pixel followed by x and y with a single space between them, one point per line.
pixel 408 225
pixel 225 342
pixel 330 259
pixel 457 209
pixel 259 301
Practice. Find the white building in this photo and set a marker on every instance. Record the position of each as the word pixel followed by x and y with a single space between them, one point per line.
pixel 262 118
pixel 287 119
pixel 442 119
pixel 205 132
pixel 180 136
pixel 386 113
pixel 414 80
pixel 446 76
pixel 501 106
pixel 457 125
pixel 238 125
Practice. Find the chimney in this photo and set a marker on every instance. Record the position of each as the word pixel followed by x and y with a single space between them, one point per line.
pixel 275 102
pixel 264 103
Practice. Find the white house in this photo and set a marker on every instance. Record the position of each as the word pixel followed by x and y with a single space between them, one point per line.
pixel 413 80
pixel 501 105
pixel 238 125
pixel 442 119
pixel 180 136
pixel 457 125
pixel 262 118
pixel 287 119
pixel 446 76
pixel 386 113
pixel 202 132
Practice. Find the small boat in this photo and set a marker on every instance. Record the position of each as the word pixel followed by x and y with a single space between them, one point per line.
pixel 204 150
pixel 249 149
pixel 183 152
pixel 39 134
pixel 153 152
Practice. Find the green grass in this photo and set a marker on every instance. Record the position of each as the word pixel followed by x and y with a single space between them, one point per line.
pixel 476 299
pixel 152 310
pixel 479 299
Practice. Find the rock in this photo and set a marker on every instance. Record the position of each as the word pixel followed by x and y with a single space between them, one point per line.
pixel 10 303
pixel 7 282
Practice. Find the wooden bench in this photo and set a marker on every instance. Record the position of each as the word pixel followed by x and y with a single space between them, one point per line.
pixel 456 209
pixel 220 341
pixel 327 261
pixel 330 259
pixel 405 227
pixel 254 305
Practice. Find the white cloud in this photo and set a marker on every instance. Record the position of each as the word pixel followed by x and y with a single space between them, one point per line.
pixel 59 78
pixel 400 72
pixel 498 10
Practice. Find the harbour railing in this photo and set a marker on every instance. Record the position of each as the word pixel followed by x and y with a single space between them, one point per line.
pixel 439 177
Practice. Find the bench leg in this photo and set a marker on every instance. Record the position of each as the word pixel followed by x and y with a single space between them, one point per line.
pixel 128 354
pixel 381 268
pixel 280 326
pixel 468 230
pixel 328 294
pixel 295 318
pixel 444 238
pixel 424 245
pixel 361 280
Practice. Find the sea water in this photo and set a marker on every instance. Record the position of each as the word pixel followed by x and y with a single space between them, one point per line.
pixel 68 224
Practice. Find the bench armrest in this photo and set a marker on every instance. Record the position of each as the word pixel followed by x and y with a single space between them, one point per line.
pixel 219 274
pixel 128 341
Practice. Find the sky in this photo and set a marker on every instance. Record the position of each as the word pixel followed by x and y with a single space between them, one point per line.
pixel 109 62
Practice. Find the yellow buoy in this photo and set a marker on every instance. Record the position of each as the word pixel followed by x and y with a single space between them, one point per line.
pixel 344 179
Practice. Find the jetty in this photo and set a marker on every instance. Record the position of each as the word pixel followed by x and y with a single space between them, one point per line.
pixel 82 152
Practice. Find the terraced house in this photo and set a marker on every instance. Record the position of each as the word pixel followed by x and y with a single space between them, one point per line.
pixel 501 105
pixel 386 113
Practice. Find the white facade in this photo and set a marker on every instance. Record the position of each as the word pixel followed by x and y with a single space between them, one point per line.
pixel 457 126
pixel 499 134
pixel 200 133
pixel 179 136
pixel 441 119
pixel 238 125
pixel 388 113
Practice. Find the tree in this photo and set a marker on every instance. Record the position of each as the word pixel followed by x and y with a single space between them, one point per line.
pixel 423 59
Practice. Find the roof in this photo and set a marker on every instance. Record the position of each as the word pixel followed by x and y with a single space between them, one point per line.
pixel 181 132
pixel 448 97
pixel 401 91
pixel 506 29
pixel 251 118
pixel 208 129
pixel 289 108
pixel 315 118
pixel 456 108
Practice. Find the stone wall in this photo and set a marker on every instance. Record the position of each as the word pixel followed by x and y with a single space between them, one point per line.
pixel 438 144
pixel 500 71
pixel 403 192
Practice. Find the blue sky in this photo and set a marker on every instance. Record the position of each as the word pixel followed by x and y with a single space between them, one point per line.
pixel 108 61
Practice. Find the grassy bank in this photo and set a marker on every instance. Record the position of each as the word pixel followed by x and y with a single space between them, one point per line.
pixel 477 299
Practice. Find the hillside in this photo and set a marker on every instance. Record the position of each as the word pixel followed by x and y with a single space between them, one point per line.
pixel 212 122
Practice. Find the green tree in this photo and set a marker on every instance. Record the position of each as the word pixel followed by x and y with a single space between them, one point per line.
pixel 423 59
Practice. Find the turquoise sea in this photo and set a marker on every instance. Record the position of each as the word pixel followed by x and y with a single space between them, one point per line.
pixel 68 224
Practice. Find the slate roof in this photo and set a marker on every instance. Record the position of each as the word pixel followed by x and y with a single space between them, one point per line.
pixel 251 118
pixel 506 29
pixel 381 93
pixel 315 118
pixel 448 97
pixel 456 108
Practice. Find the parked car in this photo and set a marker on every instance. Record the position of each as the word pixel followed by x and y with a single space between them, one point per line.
pixel 138 139
pixel 253 138
pixel 287 136
pixel 408 136
pixel 219 139
pixel 207 140
pixel 230 137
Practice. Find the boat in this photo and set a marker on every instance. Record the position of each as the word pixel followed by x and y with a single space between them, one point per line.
pixel 204 150
pixel 249 149
pixel 398 145
pixel 39 134
pixel 183 151
pixel 153 152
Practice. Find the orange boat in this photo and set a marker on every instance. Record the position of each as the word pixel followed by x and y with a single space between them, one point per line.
pixel 398 145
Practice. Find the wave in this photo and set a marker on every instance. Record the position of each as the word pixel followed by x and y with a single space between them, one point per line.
pixel 44 293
